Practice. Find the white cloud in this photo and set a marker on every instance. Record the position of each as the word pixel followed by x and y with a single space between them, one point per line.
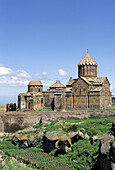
pixel 47 83
pixel 13 81
pixel 113 90
pixel 22 74
pixel 5 70
pixel 62 72
pixel 36 74
pixel 44 73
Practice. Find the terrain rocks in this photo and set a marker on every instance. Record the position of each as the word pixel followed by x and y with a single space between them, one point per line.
pixel 113 128
pixel 94 139
pixel 105 144
pixel 61 140
pixel 24 141
pixel 106 159
pixel 2 162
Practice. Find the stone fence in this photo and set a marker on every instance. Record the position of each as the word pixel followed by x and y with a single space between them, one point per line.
pixel 11 122
pixel 80 114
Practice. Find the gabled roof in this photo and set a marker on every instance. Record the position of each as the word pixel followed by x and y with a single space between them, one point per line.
pixel 87 60
pixel 99 80
pixel 70 82
pixel 88 82
pixel 57 84
pixel 35 82
pixel 94 80
pixel 96 89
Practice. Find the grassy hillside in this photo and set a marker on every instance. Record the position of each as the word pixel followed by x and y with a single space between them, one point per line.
pixel 83 153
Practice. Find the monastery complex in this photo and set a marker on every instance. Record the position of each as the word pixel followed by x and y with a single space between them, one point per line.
pixel 87 91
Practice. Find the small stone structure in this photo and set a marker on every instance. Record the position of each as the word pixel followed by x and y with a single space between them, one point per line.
pixel 113 99
pixel 33 99
pixel 11 107
pixel 87 91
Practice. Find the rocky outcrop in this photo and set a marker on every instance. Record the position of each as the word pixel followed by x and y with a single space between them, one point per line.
pixel 61 140
pixel 106 159
pixel 2 161
pixel 11 122
pixel 56 140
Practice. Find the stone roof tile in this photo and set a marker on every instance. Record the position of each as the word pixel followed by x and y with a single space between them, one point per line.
pixel 87 60
pixel 35 82
pixel 57 84
pixel 70 82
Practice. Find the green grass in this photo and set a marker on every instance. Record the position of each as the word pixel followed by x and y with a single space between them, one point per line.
pixel 45 109
pixel 32 156
pixel 113 107
pixel 13 165
pixel 2 111
pixel 83 154
pixel 95 126
pixel 2 107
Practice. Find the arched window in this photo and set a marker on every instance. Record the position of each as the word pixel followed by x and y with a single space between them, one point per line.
pixel 41 100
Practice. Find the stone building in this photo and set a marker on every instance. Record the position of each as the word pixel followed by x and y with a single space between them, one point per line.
pixel 90 91
pixel 87 91
pixel 113 99
pixel 33 99
pixel 11 107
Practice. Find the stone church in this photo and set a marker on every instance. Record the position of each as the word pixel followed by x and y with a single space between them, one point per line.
pixel 87 91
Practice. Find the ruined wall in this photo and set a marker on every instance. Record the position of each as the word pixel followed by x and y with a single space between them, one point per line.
pixel 81 114
pixel 13 121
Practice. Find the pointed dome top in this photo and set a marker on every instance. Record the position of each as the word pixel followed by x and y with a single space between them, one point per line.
pixel 70 82
pixel 57 84
pixel 87 60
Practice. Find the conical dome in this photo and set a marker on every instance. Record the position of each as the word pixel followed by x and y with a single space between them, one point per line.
pixel 57 84
pixel 87 67
pixel 87 60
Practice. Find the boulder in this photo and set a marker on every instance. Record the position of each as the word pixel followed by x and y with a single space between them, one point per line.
pixel 106 159
pixel 113 128
pixel 2 162
pixel 94 139
pixel 64 143
pixel 50 139
pixel 105 144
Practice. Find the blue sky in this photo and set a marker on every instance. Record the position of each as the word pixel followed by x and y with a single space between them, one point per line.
pixel 46 39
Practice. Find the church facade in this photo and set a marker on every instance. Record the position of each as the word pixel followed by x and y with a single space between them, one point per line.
pixel 87 91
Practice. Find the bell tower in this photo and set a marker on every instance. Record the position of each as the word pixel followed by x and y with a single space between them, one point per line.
pixel 87 67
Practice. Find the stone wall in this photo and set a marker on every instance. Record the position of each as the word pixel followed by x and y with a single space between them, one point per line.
pixel 13 121
pixel 80 114
pixel 80 90
pixel 94 100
